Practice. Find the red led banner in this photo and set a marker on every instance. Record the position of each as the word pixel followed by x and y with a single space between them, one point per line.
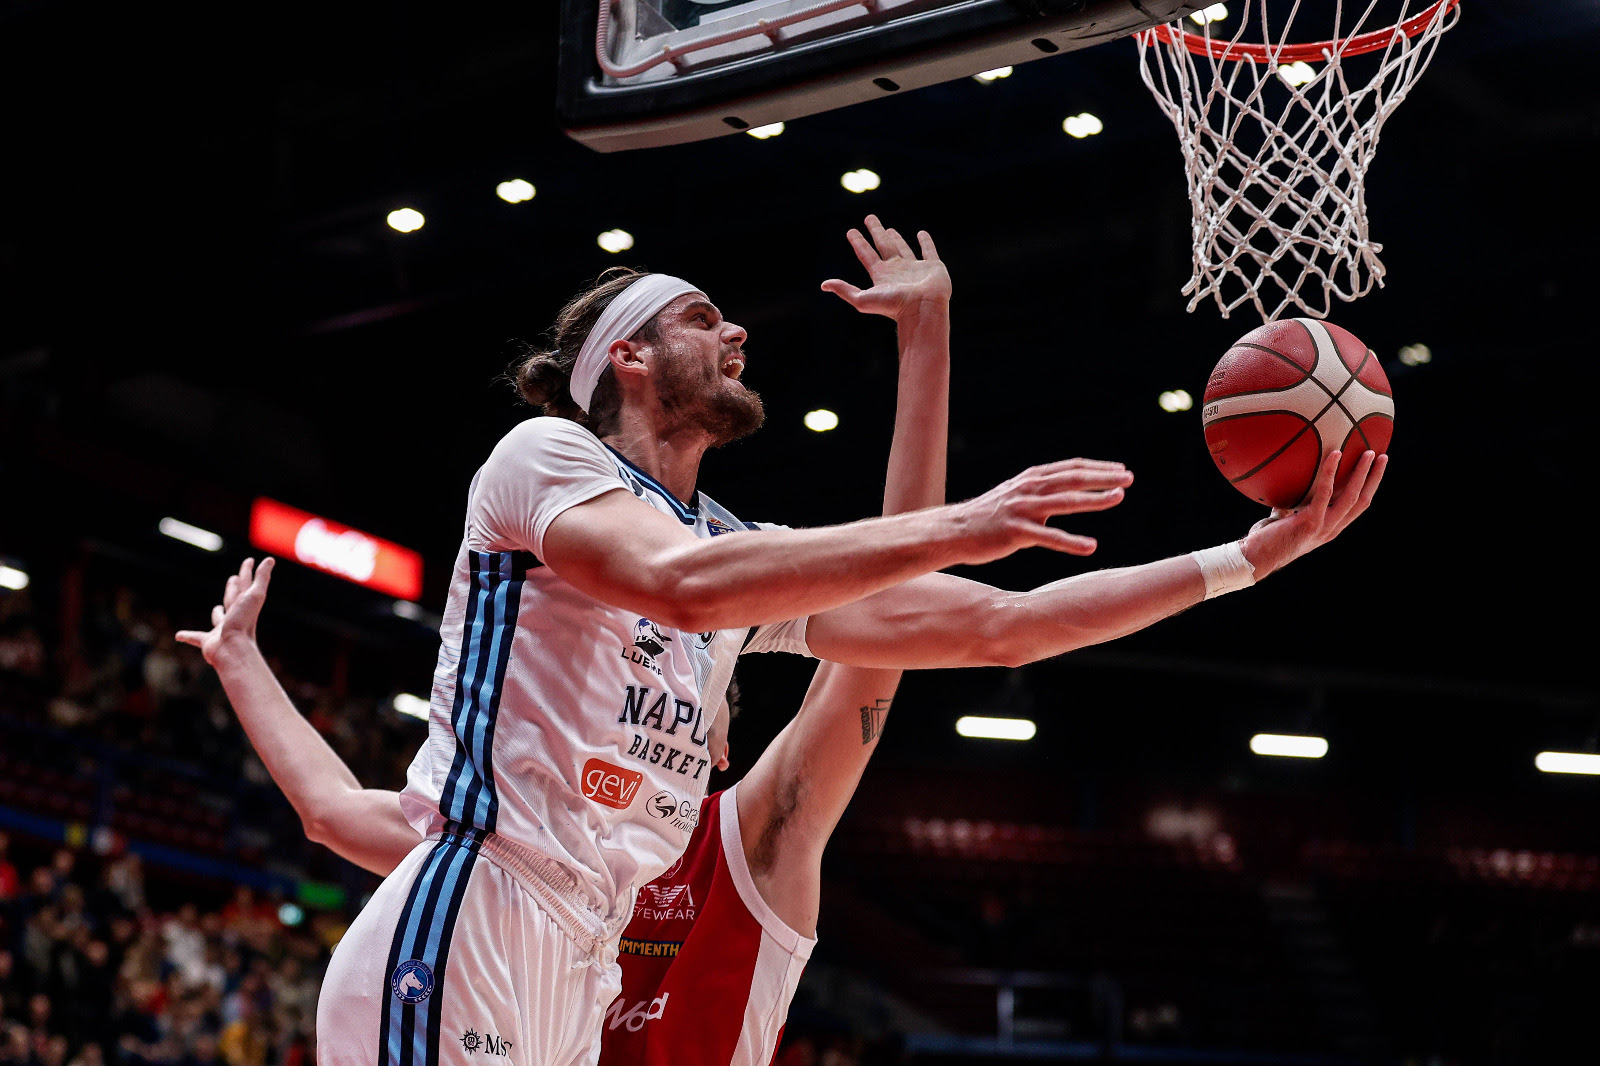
pixel 335 549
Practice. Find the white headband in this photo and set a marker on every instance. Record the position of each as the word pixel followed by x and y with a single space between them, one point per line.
pixel 622 318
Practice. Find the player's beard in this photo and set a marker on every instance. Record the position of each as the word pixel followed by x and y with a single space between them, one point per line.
pixel 694 393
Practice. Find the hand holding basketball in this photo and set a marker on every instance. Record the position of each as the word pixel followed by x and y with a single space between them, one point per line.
pixel 900 281
pixel 1285 535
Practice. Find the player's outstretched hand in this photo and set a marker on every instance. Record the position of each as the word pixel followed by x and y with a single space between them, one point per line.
pixel 1284 536
pixel 900 281
pixel 1013 515
pixel 233 622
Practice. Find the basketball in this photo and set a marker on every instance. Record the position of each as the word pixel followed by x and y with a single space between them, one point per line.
pixel 1283 397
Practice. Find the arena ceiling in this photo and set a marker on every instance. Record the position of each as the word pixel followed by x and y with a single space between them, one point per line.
pixel 203 302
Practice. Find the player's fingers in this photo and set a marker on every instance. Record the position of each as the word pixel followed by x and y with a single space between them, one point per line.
pixel 925 242
pixel 1062 541
pixel 1079 480
pixel 1080 502
pixel 1369 489
pixel 190 636
pixel 843 290
pixel 247 571
pixel 217 615
pixel 1349 493
pixel 230 591
pixel 1322 487
pixel 264 572
pixel 901 246
pixel 865 253
pixel 880 238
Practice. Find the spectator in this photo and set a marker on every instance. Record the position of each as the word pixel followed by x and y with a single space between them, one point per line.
pixel 125 880
pixel 10 885
pixel 185 943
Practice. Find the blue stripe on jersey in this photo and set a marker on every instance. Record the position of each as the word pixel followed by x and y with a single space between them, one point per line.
pixel 685 513
pixel 493 598
pixel 408 1036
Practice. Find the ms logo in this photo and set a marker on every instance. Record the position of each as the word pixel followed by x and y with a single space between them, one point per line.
pixel 412 981
pixel 648 639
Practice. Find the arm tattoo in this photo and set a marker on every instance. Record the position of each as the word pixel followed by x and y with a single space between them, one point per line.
pixel 872 720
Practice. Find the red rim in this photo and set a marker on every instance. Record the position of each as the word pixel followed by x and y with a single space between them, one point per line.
pixel 1292 53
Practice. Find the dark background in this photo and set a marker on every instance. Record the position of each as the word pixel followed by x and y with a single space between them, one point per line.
pixel 200 302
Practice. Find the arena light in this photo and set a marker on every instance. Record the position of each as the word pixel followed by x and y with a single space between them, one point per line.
pixel 336 549
pixel 12 578
pixel 615 240
pixel 862 180
pixel 821 420
pixel 411 706
pixel 761 133
pixel 1082 125
pixel 972 725
pixel 515 191
pixel 406 219
pixel 1175 401
pixel 203 539
pixel 1214 13
pixel 291 914
pixel 1289 745
pixel 406 609
pixel 1298 73
pixel 1567 762
pixel 989 76
pixel 1416 354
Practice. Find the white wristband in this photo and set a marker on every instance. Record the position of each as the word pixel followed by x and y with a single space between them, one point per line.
pixel 1225 569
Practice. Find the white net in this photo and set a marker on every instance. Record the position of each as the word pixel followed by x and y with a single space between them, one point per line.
pixel 1277 139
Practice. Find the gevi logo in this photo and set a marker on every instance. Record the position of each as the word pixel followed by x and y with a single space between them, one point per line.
pixel 608 785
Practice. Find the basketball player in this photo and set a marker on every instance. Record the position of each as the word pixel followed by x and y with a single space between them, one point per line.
pixel 716 944
pixel 595 615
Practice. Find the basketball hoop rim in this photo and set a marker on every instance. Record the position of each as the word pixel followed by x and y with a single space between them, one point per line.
pixel 1230 51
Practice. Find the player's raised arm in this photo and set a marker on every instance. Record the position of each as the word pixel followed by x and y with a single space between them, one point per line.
pixel 942 620
pixel 791 800
pixel 362 825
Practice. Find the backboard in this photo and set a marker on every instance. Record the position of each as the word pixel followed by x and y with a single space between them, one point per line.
pixel 644 73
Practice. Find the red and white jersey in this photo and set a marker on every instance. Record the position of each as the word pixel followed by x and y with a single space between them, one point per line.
pixel 573 728
pixel 707 969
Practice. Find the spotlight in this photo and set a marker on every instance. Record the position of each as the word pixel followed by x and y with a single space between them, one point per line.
pixel 1174 401
pixel 995 728
pixel 1567 762
pixel 1214 13
pixel 1416 354
pixel 203 539
pixel 514 191
pixel 862 180
pixel 761 133
pixel 411 706
pixel 1293 747
pixel 1082 125
pixel 1298 73
pixel 988 76
pixel 12 578
pixel 615 240
pixel 821 420
pixel 406 219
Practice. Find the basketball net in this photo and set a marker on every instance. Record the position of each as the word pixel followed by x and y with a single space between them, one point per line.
pixel 1277 139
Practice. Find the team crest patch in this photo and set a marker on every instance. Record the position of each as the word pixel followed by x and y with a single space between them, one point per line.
pixel 412 981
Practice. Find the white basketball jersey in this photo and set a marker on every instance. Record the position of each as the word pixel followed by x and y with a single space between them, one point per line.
pixel 566 725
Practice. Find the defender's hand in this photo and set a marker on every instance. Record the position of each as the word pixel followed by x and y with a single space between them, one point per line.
pixel 900 281
pixel 1284 536
pixel 1013 515
pixel 233 622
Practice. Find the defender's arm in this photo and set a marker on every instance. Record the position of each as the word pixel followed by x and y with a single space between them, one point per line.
pixel 363 825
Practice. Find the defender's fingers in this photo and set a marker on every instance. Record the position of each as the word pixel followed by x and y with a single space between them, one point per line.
pixel 925 242
pixel 230 591
pixel 1079 464
pixel 1080 502
pixel 1080 480
pixel 843 290
pixel 264 572
pixel 217 615
pixel 189 636
pixel 865 253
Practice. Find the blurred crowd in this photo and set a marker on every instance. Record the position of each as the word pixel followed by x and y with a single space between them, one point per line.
pixel 92 975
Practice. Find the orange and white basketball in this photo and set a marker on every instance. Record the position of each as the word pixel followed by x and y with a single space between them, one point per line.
pixel 1283 397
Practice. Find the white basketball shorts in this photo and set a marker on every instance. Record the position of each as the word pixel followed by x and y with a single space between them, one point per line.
pixel 466 956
